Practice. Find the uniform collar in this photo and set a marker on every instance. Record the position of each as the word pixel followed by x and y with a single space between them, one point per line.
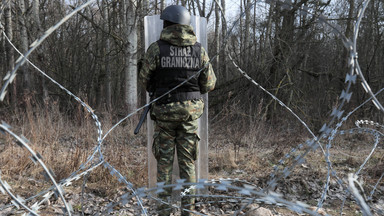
pixel 179 35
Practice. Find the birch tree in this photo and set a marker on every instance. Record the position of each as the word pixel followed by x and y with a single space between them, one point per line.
pixel 9 49
pixel 130 54
pixel 27 82
pixel 38 32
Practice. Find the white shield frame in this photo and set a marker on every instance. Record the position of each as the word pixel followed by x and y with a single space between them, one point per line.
pixel 153 27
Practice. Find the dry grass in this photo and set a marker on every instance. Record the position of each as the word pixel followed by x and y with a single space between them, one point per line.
pixel 248 150
pixel 65 142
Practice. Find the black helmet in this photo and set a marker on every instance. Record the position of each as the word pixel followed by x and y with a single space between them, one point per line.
pixel 176 14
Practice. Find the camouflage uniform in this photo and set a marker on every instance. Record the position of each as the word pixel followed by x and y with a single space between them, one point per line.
pixel 176 122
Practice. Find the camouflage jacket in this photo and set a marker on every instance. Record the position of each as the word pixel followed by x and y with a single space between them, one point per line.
pixel 179 35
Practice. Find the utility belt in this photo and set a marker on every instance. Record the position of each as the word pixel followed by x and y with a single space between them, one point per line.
pixel 177 96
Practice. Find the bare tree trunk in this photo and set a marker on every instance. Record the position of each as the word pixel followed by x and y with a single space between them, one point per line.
pixel 223 35
pixel 217 36
pixel 241 30
pixel 254 26
pixel 269 25
pixel 9 50
pixel 38 31
pixel 192 7
pixel 108 80
pixel 162 6
pixel 246 46
pixel 143 12
pixel 201 7
pixel 130 56
pixel 27 82
pixel 348 34
pixel 36 17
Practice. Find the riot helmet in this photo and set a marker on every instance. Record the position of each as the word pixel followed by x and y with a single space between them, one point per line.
pixel 176 14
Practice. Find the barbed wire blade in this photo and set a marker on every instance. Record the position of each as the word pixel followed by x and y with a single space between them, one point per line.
pixel 24 139
pixel 2 96
pixel 33 158
pixel 35 207
pixel 352 178
pixel 12 78
pixel 20 199
pixel 15 204
pixel 7 126
pixel 7 76
pixel 376 104
pixel 6 186
pixel 2 189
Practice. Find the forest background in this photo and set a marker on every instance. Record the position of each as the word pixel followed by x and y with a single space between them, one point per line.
pixel 283 47
pixel 291 54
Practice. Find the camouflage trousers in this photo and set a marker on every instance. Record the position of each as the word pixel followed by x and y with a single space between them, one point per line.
pixel 180 137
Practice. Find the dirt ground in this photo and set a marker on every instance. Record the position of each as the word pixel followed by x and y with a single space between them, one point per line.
pixel 240 162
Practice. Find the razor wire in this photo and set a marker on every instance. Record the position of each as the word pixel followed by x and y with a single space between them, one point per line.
pixel 76 175
pixel 36 158
pixel 352 179
pixel 328 147
pixel 337 112
pixel 246 192
pixel 23 58
pixel 11 75
pixel 309 145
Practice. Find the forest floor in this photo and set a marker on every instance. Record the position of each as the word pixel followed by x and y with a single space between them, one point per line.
pixel 243 159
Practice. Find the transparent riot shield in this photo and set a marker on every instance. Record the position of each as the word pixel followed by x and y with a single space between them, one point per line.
pixel 153 26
